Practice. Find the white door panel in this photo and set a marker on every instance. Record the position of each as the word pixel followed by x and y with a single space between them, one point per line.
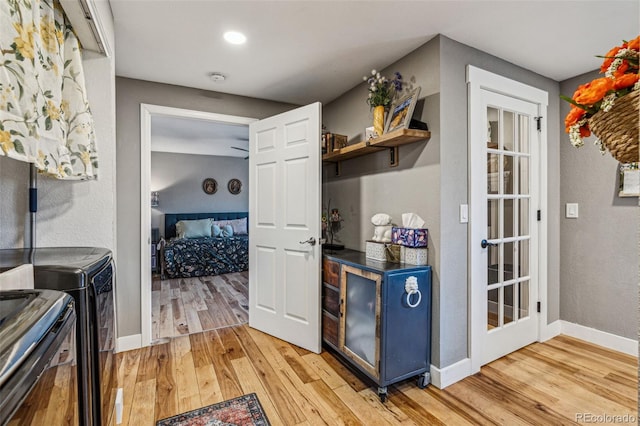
pixel 284 272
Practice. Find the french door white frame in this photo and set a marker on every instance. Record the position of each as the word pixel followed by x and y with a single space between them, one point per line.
pixel 477 81
pixel 147 111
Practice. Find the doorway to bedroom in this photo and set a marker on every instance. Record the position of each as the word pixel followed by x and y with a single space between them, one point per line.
pixel 195 274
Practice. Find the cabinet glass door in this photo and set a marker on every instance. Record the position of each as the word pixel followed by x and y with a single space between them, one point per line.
pixel 360 313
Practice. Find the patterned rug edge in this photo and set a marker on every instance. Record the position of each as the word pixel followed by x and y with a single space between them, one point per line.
pixel 250 402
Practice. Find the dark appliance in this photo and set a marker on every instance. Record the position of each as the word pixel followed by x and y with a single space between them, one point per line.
pixel 88 275
pixel 36 365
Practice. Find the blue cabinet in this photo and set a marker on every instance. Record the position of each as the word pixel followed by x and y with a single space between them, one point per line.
pixel 377 316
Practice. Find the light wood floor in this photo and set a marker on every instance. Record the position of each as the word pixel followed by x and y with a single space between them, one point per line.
pixel 190 305
pixel 547 383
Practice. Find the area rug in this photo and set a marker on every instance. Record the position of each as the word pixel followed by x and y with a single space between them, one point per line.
pixel 242 411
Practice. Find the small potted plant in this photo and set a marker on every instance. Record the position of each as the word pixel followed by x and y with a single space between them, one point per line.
pixel 331 224
pixel 381 93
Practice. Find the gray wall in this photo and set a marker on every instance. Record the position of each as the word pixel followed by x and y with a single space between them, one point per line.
pixel 432 178
pixel 367 185
pixel 599 250
pixel 70 213
pixel 178 178
pixel 130 94
pixel 454 57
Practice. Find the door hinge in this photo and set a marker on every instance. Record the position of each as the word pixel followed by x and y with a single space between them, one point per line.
pixel 539 215
pixel 538 123
pixel 539 307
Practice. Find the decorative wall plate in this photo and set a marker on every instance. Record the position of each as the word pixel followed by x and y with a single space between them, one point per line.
pixel 209 186
pixel 234 186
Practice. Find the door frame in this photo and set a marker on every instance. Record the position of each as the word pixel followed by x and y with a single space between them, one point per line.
pixel 478 80
pixel 147 112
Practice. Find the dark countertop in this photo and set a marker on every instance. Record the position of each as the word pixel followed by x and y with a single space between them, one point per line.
pixel 359 259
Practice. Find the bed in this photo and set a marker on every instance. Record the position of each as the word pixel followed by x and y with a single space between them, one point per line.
pixel 203 256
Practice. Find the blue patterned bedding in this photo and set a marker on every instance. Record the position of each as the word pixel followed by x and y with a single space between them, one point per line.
pixel 197 257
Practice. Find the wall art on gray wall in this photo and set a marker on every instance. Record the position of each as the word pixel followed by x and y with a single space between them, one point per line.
pixel 209 186
pixel 234 186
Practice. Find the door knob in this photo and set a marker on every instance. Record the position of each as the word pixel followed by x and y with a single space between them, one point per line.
pixel 485 244
pixel 311 241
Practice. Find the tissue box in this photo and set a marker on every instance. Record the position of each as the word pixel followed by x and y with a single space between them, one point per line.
pixel 413 256
pixel 409 237
pixel 376 251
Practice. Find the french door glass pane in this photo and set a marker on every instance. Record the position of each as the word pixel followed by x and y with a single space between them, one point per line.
pixel 508 261
pixel 493 264
pixel 524 258
pixel 493 133
pixel 508 174
pixel 524 133
pixel 524 299
pixel 523 176
pixel 509 215
pixel 523 212
pixel 492 217
pixel 509 131
pixel 508 304
pixel 493 180
pixel 492 309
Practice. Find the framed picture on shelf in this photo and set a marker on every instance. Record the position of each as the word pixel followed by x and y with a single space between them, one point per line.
pixel 401 111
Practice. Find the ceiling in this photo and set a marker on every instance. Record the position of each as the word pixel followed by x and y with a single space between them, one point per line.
pixel 201 137
pixel 306 51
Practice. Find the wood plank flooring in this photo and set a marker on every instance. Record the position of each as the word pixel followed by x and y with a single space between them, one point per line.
pixel 183 306
pixel 551 383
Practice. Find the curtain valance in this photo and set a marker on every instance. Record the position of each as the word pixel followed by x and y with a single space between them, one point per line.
pixel 45 117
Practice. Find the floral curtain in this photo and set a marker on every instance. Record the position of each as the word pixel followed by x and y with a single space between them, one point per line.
pixel 45 117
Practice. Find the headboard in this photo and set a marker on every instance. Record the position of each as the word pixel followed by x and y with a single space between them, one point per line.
pixel 170 219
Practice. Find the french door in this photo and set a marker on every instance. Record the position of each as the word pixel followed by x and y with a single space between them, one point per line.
pixel 505 172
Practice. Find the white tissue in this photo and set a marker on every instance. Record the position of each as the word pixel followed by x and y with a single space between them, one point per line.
pixel 412 220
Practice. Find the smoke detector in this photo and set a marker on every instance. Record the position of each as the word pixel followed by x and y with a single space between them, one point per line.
pixel 217 77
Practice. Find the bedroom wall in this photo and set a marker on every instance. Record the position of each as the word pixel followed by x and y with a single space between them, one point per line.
pixel 130 93
pixel 599 249
pixel 178 178
pixel 70 213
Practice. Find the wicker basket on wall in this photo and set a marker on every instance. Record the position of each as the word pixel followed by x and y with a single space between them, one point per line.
pixel 618 128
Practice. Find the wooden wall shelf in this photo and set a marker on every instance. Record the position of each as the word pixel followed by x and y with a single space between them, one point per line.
pixel 387 141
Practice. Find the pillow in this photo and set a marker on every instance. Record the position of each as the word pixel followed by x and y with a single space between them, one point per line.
pixel 239 225
pixel 193 228
pixel 227 231
pixel 216 231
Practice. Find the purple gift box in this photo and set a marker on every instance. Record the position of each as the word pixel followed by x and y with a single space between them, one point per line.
pixel 409 237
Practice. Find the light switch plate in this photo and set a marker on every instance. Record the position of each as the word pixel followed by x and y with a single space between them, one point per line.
pixel 464 213
pixel 571 211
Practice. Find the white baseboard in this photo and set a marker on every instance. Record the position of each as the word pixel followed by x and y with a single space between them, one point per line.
pixel 601 338
pixel 550 330
pixel 443 377
pixel 127 343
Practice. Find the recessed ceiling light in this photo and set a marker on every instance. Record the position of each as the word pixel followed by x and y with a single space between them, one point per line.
pixel 217 77
pixel 234 37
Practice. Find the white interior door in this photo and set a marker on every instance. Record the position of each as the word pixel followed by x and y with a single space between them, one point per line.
pixel 284 226
pixel 504 242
